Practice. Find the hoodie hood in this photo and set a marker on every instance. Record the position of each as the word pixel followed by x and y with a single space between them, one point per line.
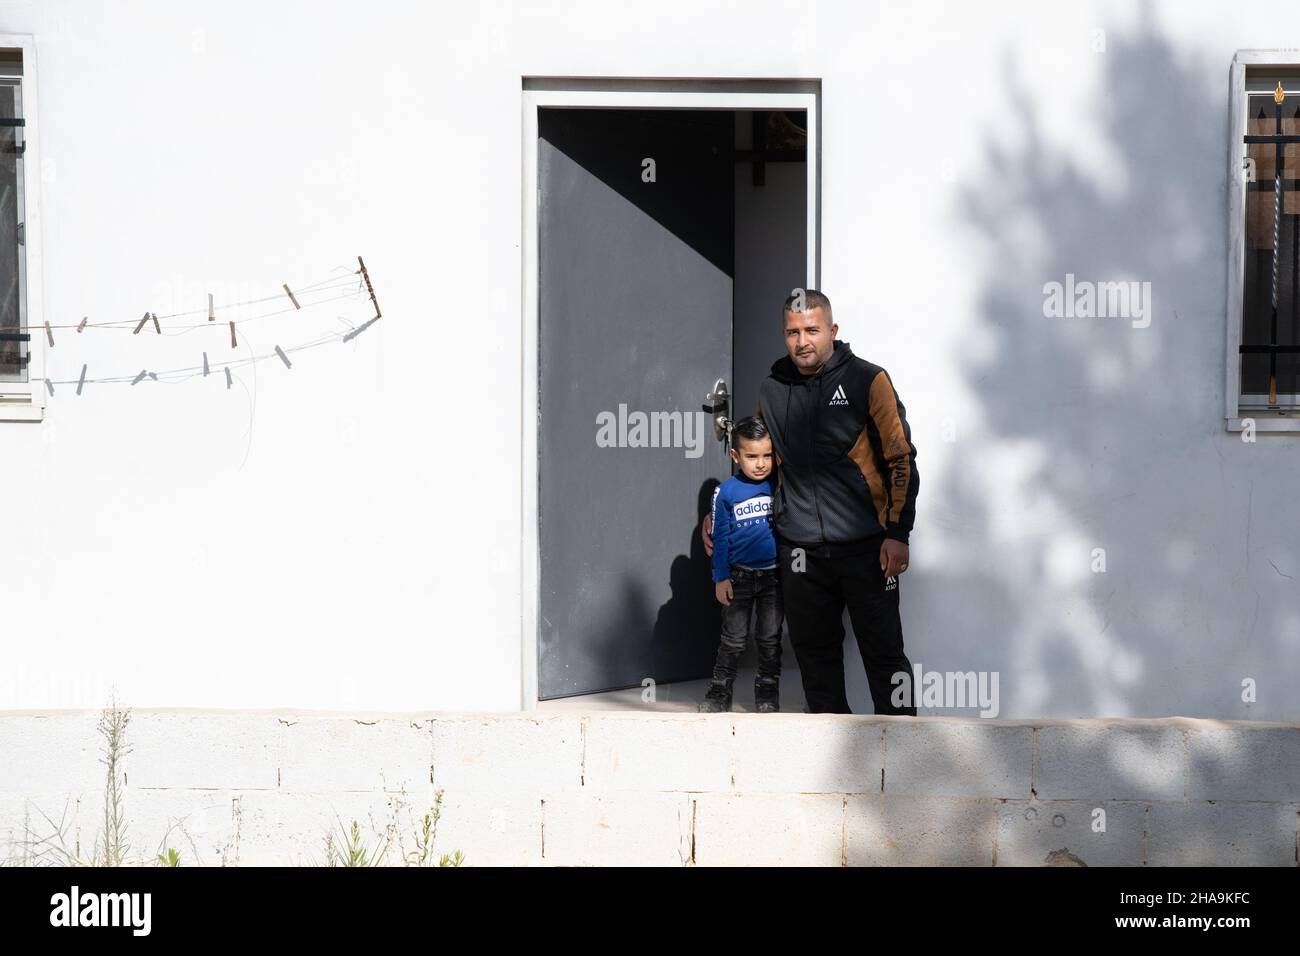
pixel 784 371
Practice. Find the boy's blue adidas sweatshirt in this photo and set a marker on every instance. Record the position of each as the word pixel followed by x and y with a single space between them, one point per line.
pixel 742 526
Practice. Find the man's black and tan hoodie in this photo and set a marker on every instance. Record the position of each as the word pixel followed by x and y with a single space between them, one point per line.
pixel 846 462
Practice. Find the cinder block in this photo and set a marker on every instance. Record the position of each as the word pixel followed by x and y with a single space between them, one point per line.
pixel 290 829
pixel 1031 832
pixel 54 754
pixel 775 753
pixel 658 754
pixel 1221 834
pixel 957 758
pixel 762 829
pixel 204 751
pixel 49 828
pixel 325 754
pixel 616 829
pixel 18 830
pixel 1109 761
pixel 885 830
pixel 197 824
pixel 503 829
pixel 1235 762
pixel 507 754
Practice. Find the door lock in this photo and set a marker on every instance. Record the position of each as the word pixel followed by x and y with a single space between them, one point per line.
pixel 720 406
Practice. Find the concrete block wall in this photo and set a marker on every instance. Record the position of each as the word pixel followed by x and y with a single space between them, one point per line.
pixel 254 788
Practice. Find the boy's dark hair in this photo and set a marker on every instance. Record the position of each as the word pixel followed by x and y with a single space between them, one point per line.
pixel 750 429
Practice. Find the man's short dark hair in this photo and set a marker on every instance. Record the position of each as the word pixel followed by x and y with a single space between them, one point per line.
pixel 812 299
pixel 750 429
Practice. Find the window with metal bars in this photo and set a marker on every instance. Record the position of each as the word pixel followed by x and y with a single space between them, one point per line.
pixel 1270 317
pixel 15 339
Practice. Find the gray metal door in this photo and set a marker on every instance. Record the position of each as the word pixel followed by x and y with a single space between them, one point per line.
pixel 636 267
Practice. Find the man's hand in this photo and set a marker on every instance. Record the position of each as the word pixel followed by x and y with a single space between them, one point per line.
pixel 893 558
pixel 723 590
pixel 706 535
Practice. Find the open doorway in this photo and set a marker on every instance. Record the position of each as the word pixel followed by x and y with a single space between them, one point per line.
pixel 666 228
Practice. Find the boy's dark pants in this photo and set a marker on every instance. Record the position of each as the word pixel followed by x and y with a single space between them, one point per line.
pixel 760 591
pixel 815 597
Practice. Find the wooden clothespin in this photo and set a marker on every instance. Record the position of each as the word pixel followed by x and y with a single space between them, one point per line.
pixel 81 381
pixel 141 325
pixel 370 288
pixel 82 324
pixel 289 293
pixel 49 334
pixel 156 327
pixel 212 316
pixel 234 343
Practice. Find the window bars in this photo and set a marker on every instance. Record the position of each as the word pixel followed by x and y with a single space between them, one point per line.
pixel 1279 140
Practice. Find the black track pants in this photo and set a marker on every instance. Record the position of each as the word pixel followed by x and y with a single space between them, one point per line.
pixel 815 598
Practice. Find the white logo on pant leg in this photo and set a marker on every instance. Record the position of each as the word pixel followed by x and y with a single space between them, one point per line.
pixel 839 398
pixel 891 584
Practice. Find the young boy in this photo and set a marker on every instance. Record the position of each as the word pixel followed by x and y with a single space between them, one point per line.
pixel 744 571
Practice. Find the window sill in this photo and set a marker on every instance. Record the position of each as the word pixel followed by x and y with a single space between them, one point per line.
pixel 21 412
pixel 1267 422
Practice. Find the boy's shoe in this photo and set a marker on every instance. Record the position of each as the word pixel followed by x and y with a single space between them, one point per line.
pixel 766 697
pixel 717 700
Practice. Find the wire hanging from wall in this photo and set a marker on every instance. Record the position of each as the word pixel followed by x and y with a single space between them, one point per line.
pixel 304 297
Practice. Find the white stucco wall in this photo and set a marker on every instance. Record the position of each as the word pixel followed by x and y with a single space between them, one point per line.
pixel 364 550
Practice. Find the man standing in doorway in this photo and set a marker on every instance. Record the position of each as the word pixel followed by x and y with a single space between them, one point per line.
pixel 845 502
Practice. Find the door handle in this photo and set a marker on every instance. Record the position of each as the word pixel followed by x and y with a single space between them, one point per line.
pixel 720 406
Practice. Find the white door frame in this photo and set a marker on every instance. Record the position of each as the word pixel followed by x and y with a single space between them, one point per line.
pixel 617 94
